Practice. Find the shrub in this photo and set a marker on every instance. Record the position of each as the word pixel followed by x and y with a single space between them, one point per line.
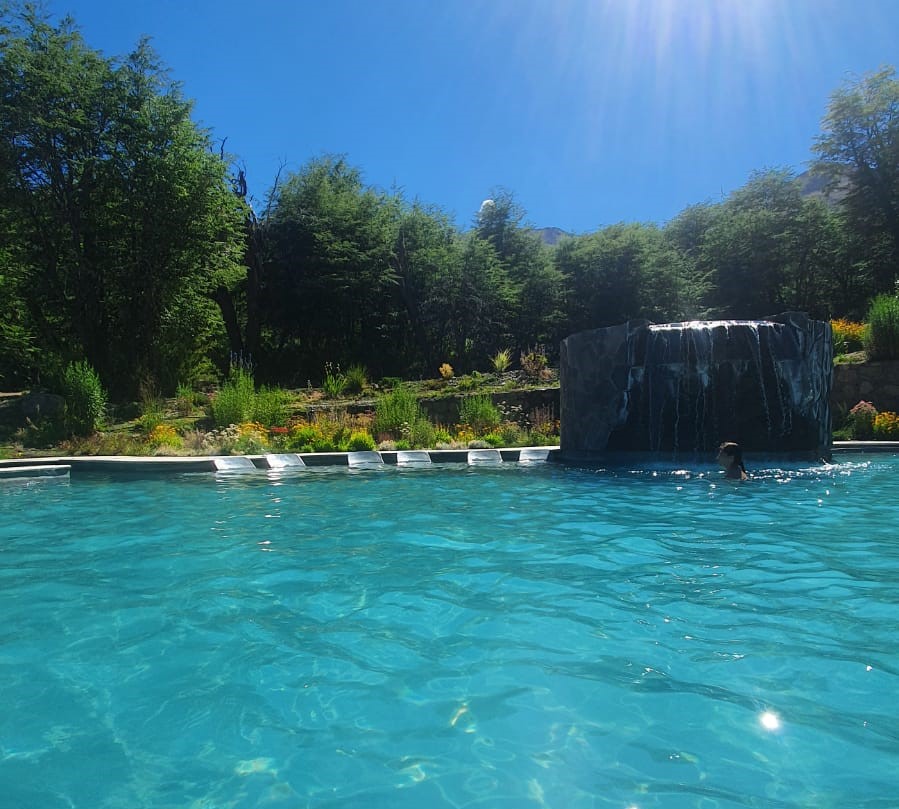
pixel 543 421
pixel 421 434
pixel 184 400
pixel 861 420
pixel 234 401
pixel 356 379
pixel 479 413
pixel 360 441
pixel 534 362
pixel 882 335
pixel 85 398
pixel 464 434
pixel 152 415
pixel 393 410
pixel 512 434
pixel 442 436
pixel 164 434
pixel 112 443
pixel 334 381
pixel 330 433
pixel 502 360
pixel 252 438
pixel 446 371
pixel 301 437
pixel 848 336
pixel 270 407
pixel 237 401
pixel 886 425
pixel 472 381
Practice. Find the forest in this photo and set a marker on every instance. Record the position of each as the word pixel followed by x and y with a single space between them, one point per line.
pixel 127 241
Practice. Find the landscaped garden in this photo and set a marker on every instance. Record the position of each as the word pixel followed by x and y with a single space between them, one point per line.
pixel 349 412
pixel 853 342
pixel 346 413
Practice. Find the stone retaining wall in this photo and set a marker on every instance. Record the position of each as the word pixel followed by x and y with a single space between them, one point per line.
pixel 875 382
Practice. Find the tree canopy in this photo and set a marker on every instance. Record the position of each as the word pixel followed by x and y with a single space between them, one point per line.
pixel 126 240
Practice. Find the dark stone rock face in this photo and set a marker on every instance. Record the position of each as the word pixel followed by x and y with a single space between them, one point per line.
pixel 683 388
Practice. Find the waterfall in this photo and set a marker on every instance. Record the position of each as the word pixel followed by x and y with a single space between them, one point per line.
pixel 685 387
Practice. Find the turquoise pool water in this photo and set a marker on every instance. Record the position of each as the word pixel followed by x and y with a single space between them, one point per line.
pixel 498 637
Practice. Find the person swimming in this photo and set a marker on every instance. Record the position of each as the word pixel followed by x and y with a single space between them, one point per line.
pixel 730 459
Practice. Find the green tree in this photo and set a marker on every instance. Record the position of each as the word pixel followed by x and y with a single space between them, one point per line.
pixel 424 258
pixel 622 272
pixel 329 290
pixel 771 249
pixel 120 202
pixel 859 150
pixel 536 284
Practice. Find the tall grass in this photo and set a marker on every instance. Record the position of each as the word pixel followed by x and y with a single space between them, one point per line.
pixel 479 413
pixel 882 335
pixel 396 411
pixel 233 404
pixel 238 401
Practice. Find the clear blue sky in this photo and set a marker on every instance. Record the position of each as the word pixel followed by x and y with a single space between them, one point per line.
pixel 590 111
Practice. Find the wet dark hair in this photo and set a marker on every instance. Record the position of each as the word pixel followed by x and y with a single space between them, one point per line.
pixel 735 451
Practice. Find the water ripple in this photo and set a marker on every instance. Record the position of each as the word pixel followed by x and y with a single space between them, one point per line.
pixel 454 637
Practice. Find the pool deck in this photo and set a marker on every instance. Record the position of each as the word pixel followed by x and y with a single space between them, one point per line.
pixel 131 464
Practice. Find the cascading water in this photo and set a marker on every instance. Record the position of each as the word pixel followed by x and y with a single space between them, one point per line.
pixel 683 388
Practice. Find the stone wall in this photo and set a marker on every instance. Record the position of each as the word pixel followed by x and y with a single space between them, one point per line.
pixel 875 382
pixel 513 403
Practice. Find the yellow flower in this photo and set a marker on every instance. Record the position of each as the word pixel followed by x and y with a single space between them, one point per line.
pixel 164 435
pixel 886 425
pixel 847 335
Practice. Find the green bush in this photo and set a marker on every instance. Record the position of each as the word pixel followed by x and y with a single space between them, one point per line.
pixel 237 401
pixel 421 434
pixel 184 399
pixel 861 420
pixel 882 335
pixel 360 441
pixel 472 381
pixel 233 404
pixel 395 409
pixel 152 415
pixel 513 435
pixel 85 398
pixel 334 382
pixel 270 407
pixel 355 379
pixel 479 413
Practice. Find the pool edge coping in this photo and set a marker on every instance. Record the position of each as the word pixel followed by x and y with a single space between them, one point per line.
pixel 173 464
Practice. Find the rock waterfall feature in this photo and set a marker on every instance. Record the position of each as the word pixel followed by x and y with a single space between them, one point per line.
pixel 682 388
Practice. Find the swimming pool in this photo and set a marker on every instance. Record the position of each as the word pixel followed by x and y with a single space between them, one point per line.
pixel 452 637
